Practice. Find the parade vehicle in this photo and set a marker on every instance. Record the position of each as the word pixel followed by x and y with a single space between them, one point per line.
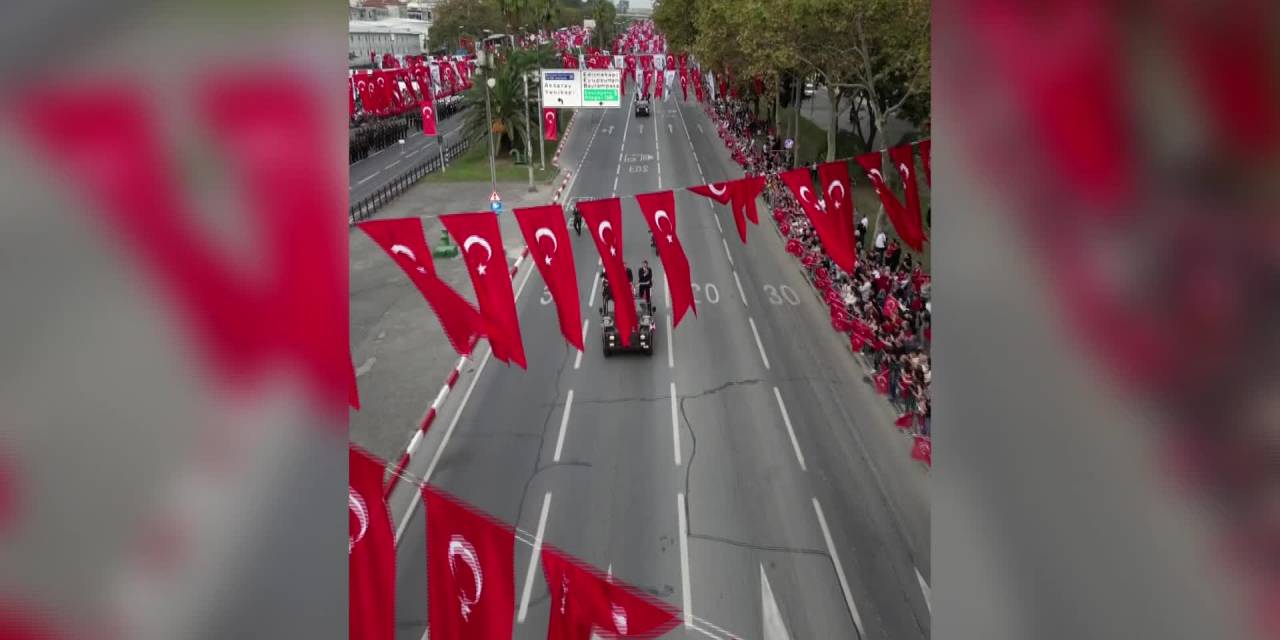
pixel 641 336
pixel 642 107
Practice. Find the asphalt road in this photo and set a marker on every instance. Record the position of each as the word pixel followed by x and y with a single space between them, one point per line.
pixel 745 473
pixel 366 176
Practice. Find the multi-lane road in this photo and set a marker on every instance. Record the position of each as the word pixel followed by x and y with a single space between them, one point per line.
pixel 744 473
pixel 366 176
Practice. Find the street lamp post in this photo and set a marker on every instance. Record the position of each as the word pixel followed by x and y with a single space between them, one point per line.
pixel 489 83
pixel 528 131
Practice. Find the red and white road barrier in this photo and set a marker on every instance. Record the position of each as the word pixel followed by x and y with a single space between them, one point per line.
pixel 555 197
pixel 434 410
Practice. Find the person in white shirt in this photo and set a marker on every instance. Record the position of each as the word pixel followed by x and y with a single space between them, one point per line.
pixel 880 241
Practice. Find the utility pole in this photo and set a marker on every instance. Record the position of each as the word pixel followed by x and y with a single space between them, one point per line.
pixel 489 83
pixel 542 132
pixel 528 143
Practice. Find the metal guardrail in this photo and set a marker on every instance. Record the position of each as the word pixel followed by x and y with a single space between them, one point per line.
pixel 366 207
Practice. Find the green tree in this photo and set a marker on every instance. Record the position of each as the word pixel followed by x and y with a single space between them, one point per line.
pixel 467 18
pixel 507 103
pixel 675 18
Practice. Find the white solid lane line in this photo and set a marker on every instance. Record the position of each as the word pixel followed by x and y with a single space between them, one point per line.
pixel 758 343
pixel 924 588
pixel 835 559
pixel 786 419
pixel 675 423
pixel 533 559
pixel 726 250
pixel 717 219
pixel 595 282
pixel 666 291
pixel 684 563
pixel 740 291
pixel 564 423
pixel 577 360
pixel 671 338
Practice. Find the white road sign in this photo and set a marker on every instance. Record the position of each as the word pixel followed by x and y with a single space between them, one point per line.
pixel 561 88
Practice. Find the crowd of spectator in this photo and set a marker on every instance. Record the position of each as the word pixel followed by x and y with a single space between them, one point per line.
pixel 883 305
pixel 370 134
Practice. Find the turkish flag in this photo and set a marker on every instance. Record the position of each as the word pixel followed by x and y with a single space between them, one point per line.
pixel 604 219
pixel 584 602
pixel 661 80
pixel 551 124
pixel 922 449
pixel 905 421
pixel 837 241
pixel 926 147
pixel 648 80
pixel 659 210
pixel 905 162
pixel 547 237
pixel 908 229
pixel 684 83
pixel 698 87
pixel 891 306
pixel 881 381
pixel 428 119
pixel 371 551
pixel 481 241
pixel 403 240
pixel 470 571
pixel 744 192
pixel 671 61
pixel 723 192
pixel 833 177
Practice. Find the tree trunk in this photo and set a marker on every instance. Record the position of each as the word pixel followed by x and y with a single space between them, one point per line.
pixel 833 96
pixel 795 104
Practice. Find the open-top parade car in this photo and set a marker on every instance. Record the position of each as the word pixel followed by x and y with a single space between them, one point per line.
pixel 641 336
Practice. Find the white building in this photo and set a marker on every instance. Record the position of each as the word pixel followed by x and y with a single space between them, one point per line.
pixel 397 36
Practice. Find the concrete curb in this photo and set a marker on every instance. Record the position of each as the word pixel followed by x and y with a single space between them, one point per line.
pixel 555 197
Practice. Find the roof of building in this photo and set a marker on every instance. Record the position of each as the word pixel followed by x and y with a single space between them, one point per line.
pixel 390 25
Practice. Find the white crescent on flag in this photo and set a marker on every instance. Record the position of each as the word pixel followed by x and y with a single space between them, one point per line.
pixel 719 192
pixel 803 189
pixel 459 547
pixel 543 232
pixel 832 187
pixel 474 240
pixel 605 224
pixel 659 215
pixel 405 251
pixel 356 505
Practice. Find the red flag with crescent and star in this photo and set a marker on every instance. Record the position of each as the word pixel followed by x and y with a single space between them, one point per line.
pixel 659 210
pixel 371 551
pixel 722 192
pixel 604 220
pixel 824 220
pixel 481 241
pixel 550 124
pixel 907 229
pixel 428 119
pixel 470 571
pixel 744 192
pixel 584 602
pixel 404 242
pixel 833 178
pixel 904 160
pixel 547 237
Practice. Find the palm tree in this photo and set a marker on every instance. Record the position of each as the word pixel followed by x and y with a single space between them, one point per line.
pixel 506 98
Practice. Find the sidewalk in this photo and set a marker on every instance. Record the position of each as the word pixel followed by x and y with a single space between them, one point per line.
pixel 400 353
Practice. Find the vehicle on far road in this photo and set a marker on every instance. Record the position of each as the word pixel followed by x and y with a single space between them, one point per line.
pixel 641 336
pixel 642 107
pixel 808 88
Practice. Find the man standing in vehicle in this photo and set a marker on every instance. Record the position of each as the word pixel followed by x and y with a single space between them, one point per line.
pixel 646 282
